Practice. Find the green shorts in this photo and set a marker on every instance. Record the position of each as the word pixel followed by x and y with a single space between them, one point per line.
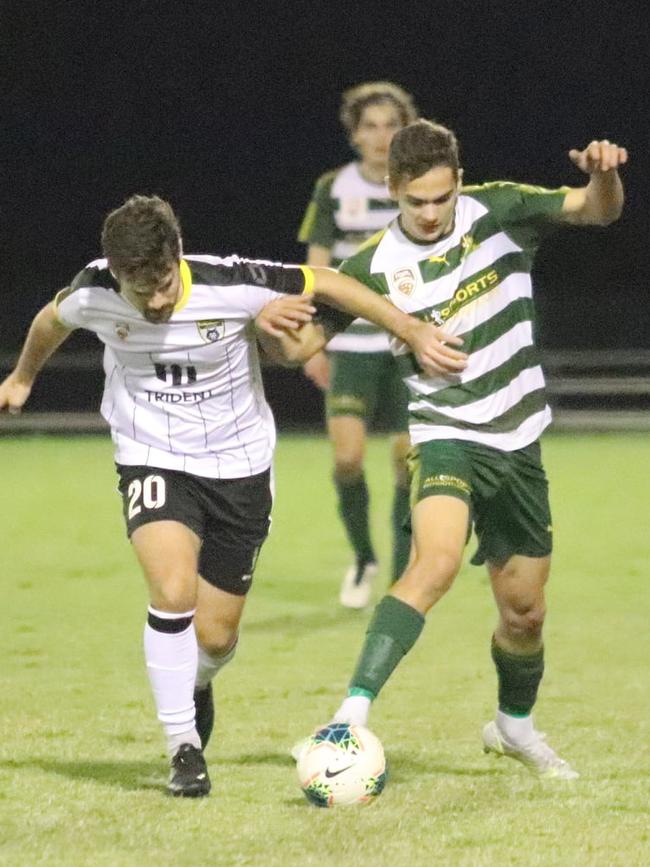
pixel 507 493
pixel 368 386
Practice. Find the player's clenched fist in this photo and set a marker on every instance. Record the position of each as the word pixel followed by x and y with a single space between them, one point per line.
pixel 599 156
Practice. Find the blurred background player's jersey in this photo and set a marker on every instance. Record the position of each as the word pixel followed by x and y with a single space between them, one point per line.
pixel 345 210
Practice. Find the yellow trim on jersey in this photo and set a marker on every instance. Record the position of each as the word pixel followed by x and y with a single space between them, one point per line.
pixel 372 241
pixel 310 280
pixel 308 221
pixel 186 282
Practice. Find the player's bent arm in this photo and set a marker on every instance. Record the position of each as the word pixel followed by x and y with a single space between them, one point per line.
pixel 284 312
pixel 430 344
pixel 45 335
pixel 317 366
pixel 283 316
pixel 598 204
pixel 295 347
pixel 601 201
pixel 347 294
pixel 317 369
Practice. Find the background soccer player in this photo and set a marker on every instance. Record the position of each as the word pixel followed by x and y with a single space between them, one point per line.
pixel 363 384
pixel 193 433
pixel 461 257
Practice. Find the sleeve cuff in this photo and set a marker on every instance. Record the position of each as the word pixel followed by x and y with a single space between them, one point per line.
pixel 310 280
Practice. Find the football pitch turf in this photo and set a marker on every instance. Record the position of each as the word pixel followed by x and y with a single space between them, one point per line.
pixel 82 762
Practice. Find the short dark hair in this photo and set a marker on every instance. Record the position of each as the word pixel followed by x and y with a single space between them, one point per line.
pixel 142 237
pixel 355 99
pixel 419 147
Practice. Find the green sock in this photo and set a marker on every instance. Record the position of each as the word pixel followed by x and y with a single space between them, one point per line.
pixel 392 632
pixel 401 535
pixel 353 509
pixel 519 678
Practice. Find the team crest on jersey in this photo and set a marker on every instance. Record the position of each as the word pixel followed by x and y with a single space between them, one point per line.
pixel 122 330
pixel 404 281
pixel 211 330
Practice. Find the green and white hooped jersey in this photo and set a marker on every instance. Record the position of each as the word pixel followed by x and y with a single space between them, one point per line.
pixel 476 283
pixel 345 210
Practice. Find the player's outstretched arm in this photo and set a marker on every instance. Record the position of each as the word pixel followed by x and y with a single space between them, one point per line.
pixel 601 201
pixel 433 348
pixel 45 335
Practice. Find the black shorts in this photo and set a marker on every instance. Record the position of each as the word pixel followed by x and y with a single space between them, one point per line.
pixel 230 516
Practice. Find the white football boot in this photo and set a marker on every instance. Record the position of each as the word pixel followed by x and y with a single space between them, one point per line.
pixel 357 585
pixel 535 754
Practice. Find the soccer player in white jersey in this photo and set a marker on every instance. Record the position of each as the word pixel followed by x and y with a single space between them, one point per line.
pixel 363 384
pixel 461 257
pixel 193 434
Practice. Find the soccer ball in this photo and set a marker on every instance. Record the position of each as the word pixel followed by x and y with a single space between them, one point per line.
pixel 342 764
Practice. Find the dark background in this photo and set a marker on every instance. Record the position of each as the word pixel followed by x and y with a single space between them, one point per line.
pixel 230 111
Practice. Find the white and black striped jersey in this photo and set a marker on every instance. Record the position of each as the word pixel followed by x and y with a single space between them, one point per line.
pixel 186 394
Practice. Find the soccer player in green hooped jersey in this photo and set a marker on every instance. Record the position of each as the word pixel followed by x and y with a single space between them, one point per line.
pixel 363 383
pixel 461 257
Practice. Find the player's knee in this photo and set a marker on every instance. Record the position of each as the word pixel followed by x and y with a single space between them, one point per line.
pixel 216 637
pixel 433 576
pixel 348 466
pixel 402 478
pixel 173 594
pixel 400 452
pixel 524 622
pixel 444 569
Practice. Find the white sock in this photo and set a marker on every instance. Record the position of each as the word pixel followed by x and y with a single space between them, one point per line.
pixel 517 729
pixel 354 710
pixel 209 664
pixel 171 659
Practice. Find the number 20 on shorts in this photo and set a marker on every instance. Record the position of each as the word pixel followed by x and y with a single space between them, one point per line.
pixel 149 493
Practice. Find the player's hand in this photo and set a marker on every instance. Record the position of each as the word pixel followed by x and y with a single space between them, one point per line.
pixel 13 394
pixel 599 156
pixel 285 312
pixel 318 370
pixel 434 350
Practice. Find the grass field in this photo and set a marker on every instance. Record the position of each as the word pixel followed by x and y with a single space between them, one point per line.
pixel 82 764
